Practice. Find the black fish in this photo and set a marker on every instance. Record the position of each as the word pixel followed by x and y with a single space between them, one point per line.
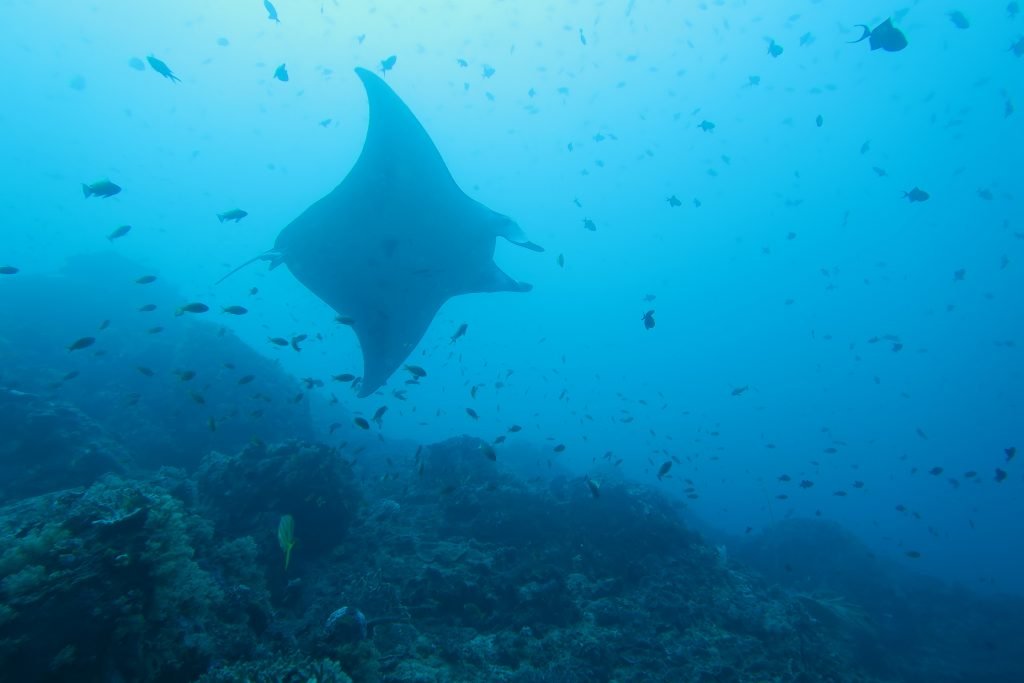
pixel 885 36
pixel 8 270
pixel 162 68
pixel 82 343
pixel 271 11
pixel 146 279
pixel 232 215
pixel 663 470
pixel 461 332
pixel 648 319
pixel 101 188
pixel 191 308
pixel 917 195
pixel 119 232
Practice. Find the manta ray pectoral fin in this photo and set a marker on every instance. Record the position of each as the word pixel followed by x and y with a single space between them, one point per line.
pixel 504 226
pixel 867 32
pixel 275 258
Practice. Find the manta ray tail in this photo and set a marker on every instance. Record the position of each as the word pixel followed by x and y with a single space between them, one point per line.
pixel 275 258
pixel 867 32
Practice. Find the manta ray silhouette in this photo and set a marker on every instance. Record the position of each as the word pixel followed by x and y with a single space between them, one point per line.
pixel 395 240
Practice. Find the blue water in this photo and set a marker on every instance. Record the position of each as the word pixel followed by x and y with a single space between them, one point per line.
pixel 767 293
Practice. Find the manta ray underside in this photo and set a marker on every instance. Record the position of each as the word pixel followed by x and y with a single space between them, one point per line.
pixel 396 239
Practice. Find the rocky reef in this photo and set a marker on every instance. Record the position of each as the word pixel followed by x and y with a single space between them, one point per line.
pixel 435 566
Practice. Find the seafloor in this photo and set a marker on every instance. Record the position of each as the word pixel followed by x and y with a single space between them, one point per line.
pixel 406 564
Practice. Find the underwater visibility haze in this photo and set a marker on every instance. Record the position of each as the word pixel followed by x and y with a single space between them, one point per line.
pixel 623 340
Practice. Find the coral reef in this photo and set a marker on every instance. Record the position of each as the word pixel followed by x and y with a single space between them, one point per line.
pixel 441 566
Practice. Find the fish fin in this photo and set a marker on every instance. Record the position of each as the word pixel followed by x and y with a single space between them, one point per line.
pixel 86 191
pixel 867 32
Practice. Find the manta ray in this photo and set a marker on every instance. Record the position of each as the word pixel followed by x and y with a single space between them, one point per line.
pixel 395 239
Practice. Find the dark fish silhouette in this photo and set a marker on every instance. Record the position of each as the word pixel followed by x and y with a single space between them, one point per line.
pixel 916 195
pixel 101 188
pixel 386 265
pixel 271 11
pixel 161 68
pixel 281 73
pixel 232 215
pixel 885 36
pixel 648 319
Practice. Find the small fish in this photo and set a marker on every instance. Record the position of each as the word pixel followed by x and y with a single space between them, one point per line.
pixel 460 332
pixel 1010 453
pixel 145 371
pixel 462 62
pixel 880 172
pixel 281 73
pixel 673 201
pixel 8 270
pixel 312 382
pixel 343 377
pixel 234 214
pixel 806 39
pixel 271 11
pixel 784 477
pixel 185 375
pixel 985 194
pixel 361 423
pixel 561 260
pixel 488 451
pixel 959 274
pixel 195 307
pixel 706 126
pixel 378 416
pixel 935 471
pixel 101 188
pixel 819 121
pixel 595 488
pixel 806 484
pixel 958 19
pixel 1000 475
pixel 1012 9
pixel 774 49
pixel 589 225
pixel 559 448
pixel 648 319
pixel 119 232
pixel 235 310
pixel 472 413
pixel 254 291
pixel 343 320
pixel 664 469
pixel 326 122
pixel 197 397
pixel 487 71
pixel 83 343
pixel 298 339
pixel 278 341
pixel 885 36
pixel 514 428
pixel 583 38
pixel 146 280
pixel 246 379
pixel 388 64
pixel 916 195
pixel 739 391
pixel 162 68
pixel 913 554
pixel 155 330
pixel 499 440
pixel 147 308
pixel 416 371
